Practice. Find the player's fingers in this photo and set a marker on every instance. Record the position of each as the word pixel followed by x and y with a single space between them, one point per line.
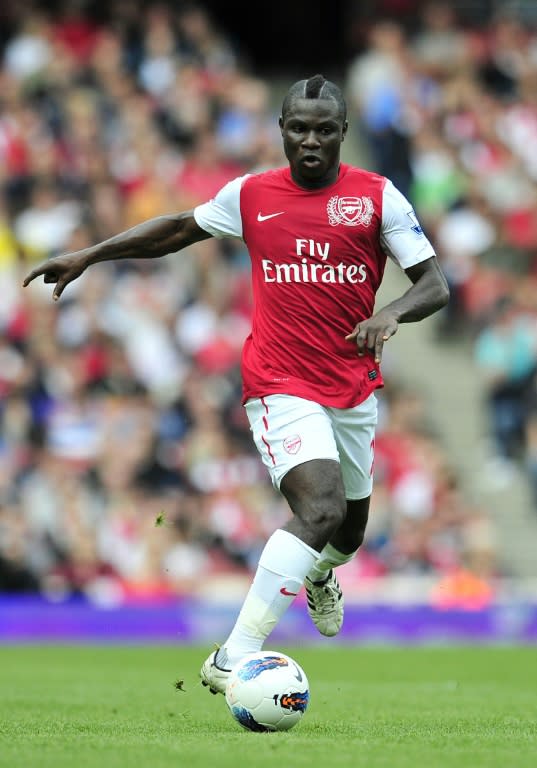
pixel 359 337
pixel 60 285
pixel 32 275
pixel 361 341
pixel 379 345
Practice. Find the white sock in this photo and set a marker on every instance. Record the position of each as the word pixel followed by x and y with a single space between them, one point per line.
pixel 329 558
pixel 280 574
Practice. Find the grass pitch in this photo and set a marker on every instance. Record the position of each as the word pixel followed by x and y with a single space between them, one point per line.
pixel 115 707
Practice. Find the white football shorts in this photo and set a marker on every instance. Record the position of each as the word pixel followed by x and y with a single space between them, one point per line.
pixel 289 430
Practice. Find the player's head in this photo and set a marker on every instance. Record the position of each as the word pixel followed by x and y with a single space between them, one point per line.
pixel 313 124
pixel 316 87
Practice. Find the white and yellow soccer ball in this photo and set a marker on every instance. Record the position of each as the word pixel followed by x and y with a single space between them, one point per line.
pixel 267 691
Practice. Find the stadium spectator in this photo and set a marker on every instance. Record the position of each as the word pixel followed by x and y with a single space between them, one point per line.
pixel 506 354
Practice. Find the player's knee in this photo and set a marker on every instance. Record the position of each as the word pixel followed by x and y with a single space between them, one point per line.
pixel 326 513
pixel 316 495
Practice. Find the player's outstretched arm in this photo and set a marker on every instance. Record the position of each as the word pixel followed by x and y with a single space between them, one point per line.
pixel 428 293
pixel 148 240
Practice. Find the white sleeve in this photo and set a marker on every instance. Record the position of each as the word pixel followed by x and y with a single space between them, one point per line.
pixel 401 236
pixel 221 216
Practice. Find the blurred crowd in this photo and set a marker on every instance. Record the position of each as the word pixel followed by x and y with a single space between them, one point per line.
pixel 127 469
pixel 448 110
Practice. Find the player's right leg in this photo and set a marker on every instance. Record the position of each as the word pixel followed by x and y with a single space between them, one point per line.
pixel 213 676
pixel 315 492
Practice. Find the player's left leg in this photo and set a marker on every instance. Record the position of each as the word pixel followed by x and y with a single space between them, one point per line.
pixel 324 595
pixel 354 431
pixel 346 541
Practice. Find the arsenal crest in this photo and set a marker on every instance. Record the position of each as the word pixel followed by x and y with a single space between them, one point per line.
pixel 350 211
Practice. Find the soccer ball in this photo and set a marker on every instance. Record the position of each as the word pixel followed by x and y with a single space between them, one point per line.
pixel 267 691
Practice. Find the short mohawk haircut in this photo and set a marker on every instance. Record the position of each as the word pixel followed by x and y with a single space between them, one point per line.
pixel 316 87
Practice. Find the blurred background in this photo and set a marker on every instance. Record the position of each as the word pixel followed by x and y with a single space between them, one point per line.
pixel 133 503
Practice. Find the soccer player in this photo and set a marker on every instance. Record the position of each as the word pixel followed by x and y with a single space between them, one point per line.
pixel 318 232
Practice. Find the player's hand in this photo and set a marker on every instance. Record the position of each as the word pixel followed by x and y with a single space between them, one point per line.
pixel 371 334
pixel 61 270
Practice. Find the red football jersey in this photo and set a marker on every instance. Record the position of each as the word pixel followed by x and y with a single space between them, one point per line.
pixel 318 257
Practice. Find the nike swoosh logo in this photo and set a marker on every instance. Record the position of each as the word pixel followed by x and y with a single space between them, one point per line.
pixel 260 216
pixel 298 675
pixel 286 592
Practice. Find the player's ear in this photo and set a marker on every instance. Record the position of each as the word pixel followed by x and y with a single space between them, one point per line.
pixel 344 130
pixel 280 122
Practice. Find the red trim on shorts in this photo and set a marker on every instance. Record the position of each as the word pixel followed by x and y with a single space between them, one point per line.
pixel 265 423
pixel 268 449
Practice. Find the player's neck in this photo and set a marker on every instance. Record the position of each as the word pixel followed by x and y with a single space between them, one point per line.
pixel 313 184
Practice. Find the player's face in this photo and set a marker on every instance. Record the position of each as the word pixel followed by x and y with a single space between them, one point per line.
pixel 312 133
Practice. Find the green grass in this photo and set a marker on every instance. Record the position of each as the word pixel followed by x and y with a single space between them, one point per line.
pixel 102 707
